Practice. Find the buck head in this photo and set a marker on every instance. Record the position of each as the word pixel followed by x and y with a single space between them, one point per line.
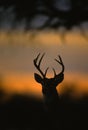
pixel 48 83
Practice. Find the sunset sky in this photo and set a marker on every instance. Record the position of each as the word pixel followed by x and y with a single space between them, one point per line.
pixel 19 48
pixel 19 45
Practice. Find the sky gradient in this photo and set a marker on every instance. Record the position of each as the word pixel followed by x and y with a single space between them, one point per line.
pixel 19 48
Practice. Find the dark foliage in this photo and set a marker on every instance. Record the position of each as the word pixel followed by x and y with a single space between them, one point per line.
pixel 24 113
pixel 74 16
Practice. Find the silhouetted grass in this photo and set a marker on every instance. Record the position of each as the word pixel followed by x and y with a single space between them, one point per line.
pixel 27 113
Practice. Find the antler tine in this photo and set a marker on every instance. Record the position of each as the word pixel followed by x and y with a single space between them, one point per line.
pixel 54 72
pixel 41 59
pixel 60 59
pixel 60 62
pixel 46 71
pixel 38 65
pixel 35 60
pixel 37 57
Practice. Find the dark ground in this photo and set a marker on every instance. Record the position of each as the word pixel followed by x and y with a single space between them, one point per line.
pixel 25 113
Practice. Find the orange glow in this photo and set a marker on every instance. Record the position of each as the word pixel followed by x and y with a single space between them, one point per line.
pixel 27 44
pixel 80 79
pixel 21 84
pixel 27 85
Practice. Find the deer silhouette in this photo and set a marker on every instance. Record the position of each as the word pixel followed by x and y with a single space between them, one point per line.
pixel 50 94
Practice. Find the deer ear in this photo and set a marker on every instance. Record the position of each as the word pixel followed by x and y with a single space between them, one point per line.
pixel 38 78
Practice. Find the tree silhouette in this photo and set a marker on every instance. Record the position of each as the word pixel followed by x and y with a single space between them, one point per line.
pixel 51 14
pixel 68 12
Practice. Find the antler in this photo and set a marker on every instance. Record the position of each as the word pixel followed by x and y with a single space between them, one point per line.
pixel 61 63
pixel 38 65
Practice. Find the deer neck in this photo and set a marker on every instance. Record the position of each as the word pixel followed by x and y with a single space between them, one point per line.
pixel 51 97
